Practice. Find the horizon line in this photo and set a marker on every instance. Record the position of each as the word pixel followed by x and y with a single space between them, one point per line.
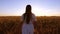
pixel 36 16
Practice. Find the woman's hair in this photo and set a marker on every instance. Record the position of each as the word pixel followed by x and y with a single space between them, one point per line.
pixel 27 14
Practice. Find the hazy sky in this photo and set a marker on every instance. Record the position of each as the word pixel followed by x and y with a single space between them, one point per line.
pixel 39 7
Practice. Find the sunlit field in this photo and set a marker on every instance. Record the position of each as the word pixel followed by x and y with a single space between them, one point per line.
pixel 44 25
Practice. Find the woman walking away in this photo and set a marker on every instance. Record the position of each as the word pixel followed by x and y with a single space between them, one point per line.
pixel 28 18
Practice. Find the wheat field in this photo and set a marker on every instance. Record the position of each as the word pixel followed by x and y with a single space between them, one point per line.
pixel 45 25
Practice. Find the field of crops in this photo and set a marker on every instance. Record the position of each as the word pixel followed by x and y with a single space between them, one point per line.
pixel 44 25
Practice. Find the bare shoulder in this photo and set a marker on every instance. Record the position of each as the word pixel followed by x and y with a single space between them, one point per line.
pixel 33 14
pixel 22 15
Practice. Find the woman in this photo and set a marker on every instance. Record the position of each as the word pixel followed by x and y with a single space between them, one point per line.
pixel 28 18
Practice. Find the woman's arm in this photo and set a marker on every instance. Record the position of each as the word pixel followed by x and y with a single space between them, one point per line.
pixel 35 24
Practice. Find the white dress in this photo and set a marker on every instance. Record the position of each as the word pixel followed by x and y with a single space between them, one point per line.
pixel 28 28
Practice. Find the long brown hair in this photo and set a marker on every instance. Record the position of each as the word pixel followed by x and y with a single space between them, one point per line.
pixel 27 14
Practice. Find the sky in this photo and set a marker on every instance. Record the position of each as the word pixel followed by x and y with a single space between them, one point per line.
pixel 39 7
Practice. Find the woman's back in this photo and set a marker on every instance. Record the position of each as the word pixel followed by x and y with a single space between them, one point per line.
pixel 27 17
pixel 33 18
pixel 28 28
